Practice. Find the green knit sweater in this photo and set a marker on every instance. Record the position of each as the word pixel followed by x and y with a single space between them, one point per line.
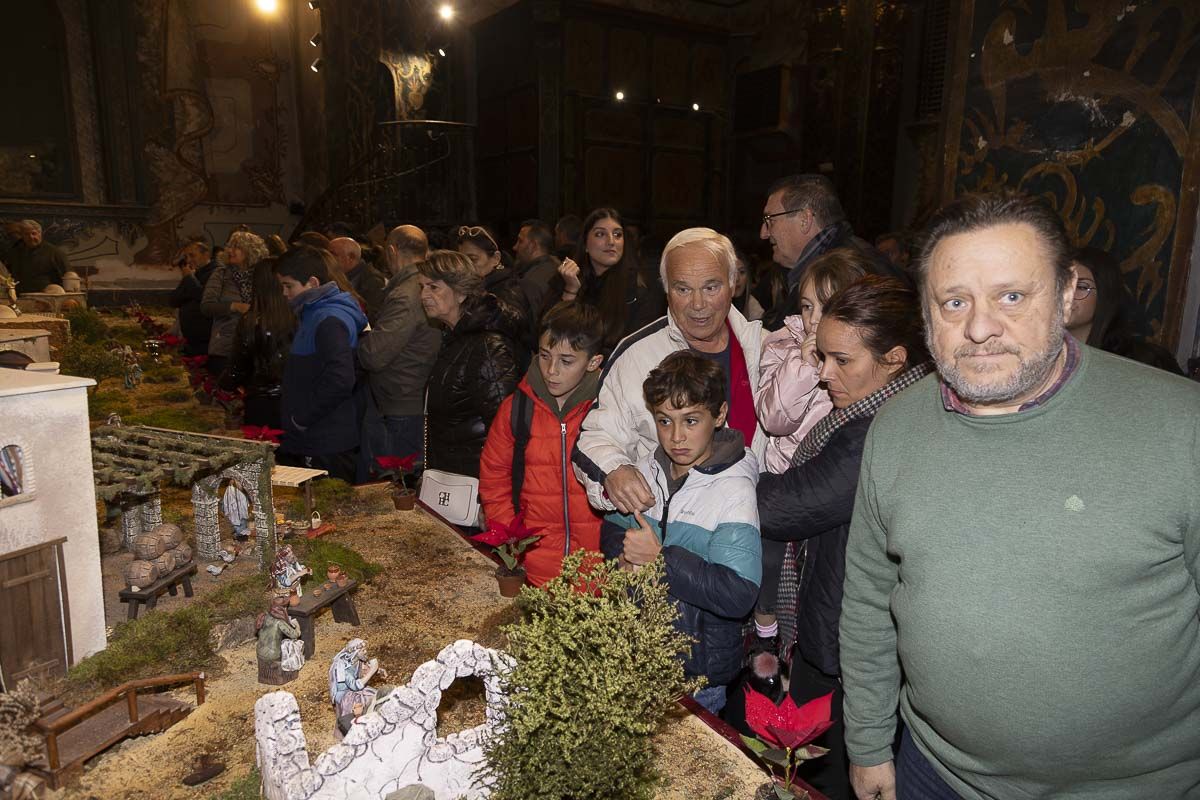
pixel 1042 569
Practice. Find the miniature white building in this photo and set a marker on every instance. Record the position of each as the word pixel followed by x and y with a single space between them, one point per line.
pixel 51 592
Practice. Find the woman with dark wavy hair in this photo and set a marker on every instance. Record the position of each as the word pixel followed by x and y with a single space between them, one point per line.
pixel 605 274
pixel 260 348
pixel 871 346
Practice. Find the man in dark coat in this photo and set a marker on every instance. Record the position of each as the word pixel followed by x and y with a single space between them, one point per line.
pixel 536 265
pixel 365 279
pixel 197 264
pixel 33 263
pixel 803 219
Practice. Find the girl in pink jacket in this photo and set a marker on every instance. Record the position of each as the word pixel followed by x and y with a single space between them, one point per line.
pixel 790 401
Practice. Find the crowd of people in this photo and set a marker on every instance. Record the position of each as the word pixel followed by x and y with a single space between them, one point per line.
pixel 907 475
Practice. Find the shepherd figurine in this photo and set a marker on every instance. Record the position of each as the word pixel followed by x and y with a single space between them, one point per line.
pixel 280 649
pixel 349 675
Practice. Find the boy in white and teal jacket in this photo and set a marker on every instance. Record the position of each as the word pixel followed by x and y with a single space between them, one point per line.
pixel 704 520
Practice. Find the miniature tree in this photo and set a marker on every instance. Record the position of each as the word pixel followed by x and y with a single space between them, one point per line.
pixel 597 667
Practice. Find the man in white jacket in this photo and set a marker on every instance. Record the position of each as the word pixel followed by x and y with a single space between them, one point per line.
pixel 697 271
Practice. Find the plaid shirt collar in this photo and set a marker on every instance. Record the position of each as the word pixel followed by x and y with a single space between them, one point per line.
pixel 953 402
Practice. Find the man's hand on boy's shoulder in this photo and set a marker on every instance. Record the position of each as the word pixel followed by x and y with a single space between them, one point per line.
pixel 628 490
pixel 641 543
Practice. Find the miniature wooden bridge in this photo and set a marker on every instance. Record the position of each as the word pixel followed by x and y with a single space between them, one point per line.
pixel 75 735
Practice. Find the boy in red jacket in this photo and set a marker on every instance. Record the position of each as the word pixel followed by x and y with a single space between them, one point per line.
pixel 550 403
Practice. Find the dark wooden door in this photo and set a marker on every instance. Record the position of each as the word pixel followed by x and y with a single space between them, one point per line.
pixel 33 642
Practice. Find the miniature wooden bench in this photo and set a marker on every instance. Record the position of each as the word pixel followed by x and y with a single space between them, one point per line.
pixel 168 583
pixel 332 596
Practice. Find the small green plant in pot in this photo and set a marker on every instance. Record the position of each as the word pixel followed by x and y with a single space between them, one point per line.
pixel 598 665
pixel 510 543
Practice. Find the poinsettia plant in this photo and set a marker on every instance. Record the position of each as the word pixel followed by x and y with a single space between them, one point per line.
pixel 394 467
pixel 261 433
pixel 785 736
pixel 169 340
pixel 510 541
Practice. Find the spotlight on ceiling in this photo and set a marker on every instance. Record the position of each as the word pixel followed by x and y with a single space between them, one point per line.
pixel 620 95
pixel 267 6
pixel 446 11
pixel 442 52
pixel 315 41
pixel 695 106
pixel 315 5
pixel 316 65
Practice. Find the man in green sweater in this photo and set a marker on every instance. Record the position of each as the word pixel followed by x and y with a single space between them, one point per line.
pixel 1026 589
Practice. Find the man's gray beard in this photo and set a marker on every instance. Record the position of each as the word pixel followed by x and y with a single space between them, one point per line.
pixel 1031 372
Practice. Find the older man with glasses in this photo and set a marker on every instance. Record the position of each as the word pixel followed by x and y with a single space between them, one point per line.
pixel 803 219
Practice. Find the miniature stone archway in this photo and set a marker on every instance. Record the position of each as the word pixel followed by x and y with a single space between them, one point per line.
pixel 394 746
pixel 246 476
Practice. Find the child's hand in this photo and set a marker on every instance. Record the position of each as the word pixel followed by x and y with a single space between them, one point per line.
pixel 641 544
pixel 808 350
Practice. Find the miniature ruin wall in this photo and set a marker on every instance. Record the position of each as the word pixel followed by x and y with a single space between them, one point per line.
pixel 130 465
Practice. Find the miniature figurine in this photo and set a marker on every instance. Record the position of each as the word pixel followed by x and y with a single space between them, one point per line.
pixel 133 375
pixel 349 675
pixel 280 650
pixel 236 508
pixel 287 571
pixel 10 291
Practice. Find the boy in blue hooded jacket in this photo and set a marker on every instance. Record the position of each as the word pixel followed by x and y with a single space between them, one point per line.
pixel 320 421
pixel 704 520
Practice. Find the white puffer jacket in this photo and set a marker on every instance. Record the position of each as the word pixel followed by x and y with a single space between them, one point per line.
pixel 620 429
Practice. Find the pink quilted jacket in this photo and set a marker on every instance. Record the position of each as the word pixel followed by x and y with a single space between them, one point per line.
pixel 789 401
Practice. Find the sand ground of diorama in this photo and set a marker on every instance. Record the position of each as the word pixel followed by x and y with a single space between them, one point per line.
pixel 433 590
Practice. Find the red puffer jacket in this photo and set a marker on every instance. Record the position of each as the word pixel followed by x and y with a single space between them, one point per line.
pixel 551 497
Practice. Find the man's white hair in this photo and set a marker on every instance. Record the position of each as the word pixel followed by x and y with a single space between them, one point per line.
pixel 716 244
pixel 32 223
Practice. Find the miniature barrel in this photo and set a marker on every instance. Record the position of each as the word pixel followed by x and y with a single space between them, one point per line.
pixel 170 534
pixel 140 573
pixel 149 546
pixel 164 562
pixel 183 555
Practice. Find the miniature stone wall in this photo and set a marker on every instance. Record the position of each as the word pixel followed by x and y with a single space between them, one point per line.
pixel 140 517
pixel 247 476
pixel 390 748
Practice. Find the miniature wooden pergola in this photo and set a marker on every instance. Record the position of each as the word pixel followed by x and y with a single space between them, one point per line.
pixel 129 465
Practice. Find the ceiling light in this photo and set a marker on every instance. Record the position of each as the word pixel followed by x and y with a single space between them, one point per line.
pixel 315 41
pixel 316 65
pixel 267 6
pixel 620 95
pixel 446 12
pixel 442 52
pixel 695 106
pixel 314 4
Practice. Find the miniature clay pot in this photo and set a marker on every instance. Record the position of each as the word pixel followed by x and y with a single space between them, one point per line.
pixel 403 499
pixel 510 582
pixel 294 599
pixel 318 592
pixel 333 571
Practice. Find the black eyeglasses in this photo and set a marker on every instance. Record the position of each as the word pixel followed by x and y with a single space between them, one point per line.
pixel 767 218
pixel 1082 290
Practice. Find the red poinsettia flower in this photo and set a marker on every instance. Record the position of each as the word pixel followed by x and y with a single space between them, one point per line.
pixel 499 534
pixel 194 362
pixel 262 434
pixel 170 340
pixel 786 725
pixel 397 463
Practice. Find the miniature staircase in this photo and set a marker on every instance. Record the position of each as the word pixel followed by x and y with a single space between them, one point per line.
pixel 75 735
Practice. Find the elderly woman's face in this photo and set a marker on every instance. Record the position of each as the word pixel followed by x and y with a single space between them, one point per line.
pixel 235 255
pixel 441 303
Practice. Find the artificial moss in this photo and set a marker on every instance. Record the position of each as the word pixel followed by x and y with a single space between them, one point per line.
pixel 248 787
pixel 330 496
pixel 240 597
pixel 93 361
pixel 111 401
pixel 195 420
pixel 87 325
pixel 163 373
pixel 155 643
pixel 176 395
pixel 318 554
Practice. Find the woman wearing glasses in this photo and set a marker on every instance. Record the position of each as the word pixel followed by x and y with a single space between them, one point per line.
pixel 605 274
pixel 1100 315
pixel 499 278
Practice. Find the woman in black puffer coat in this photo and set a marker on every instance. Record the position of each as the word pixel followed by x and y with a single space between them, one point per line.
pixel 477 366
pixel 260 349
